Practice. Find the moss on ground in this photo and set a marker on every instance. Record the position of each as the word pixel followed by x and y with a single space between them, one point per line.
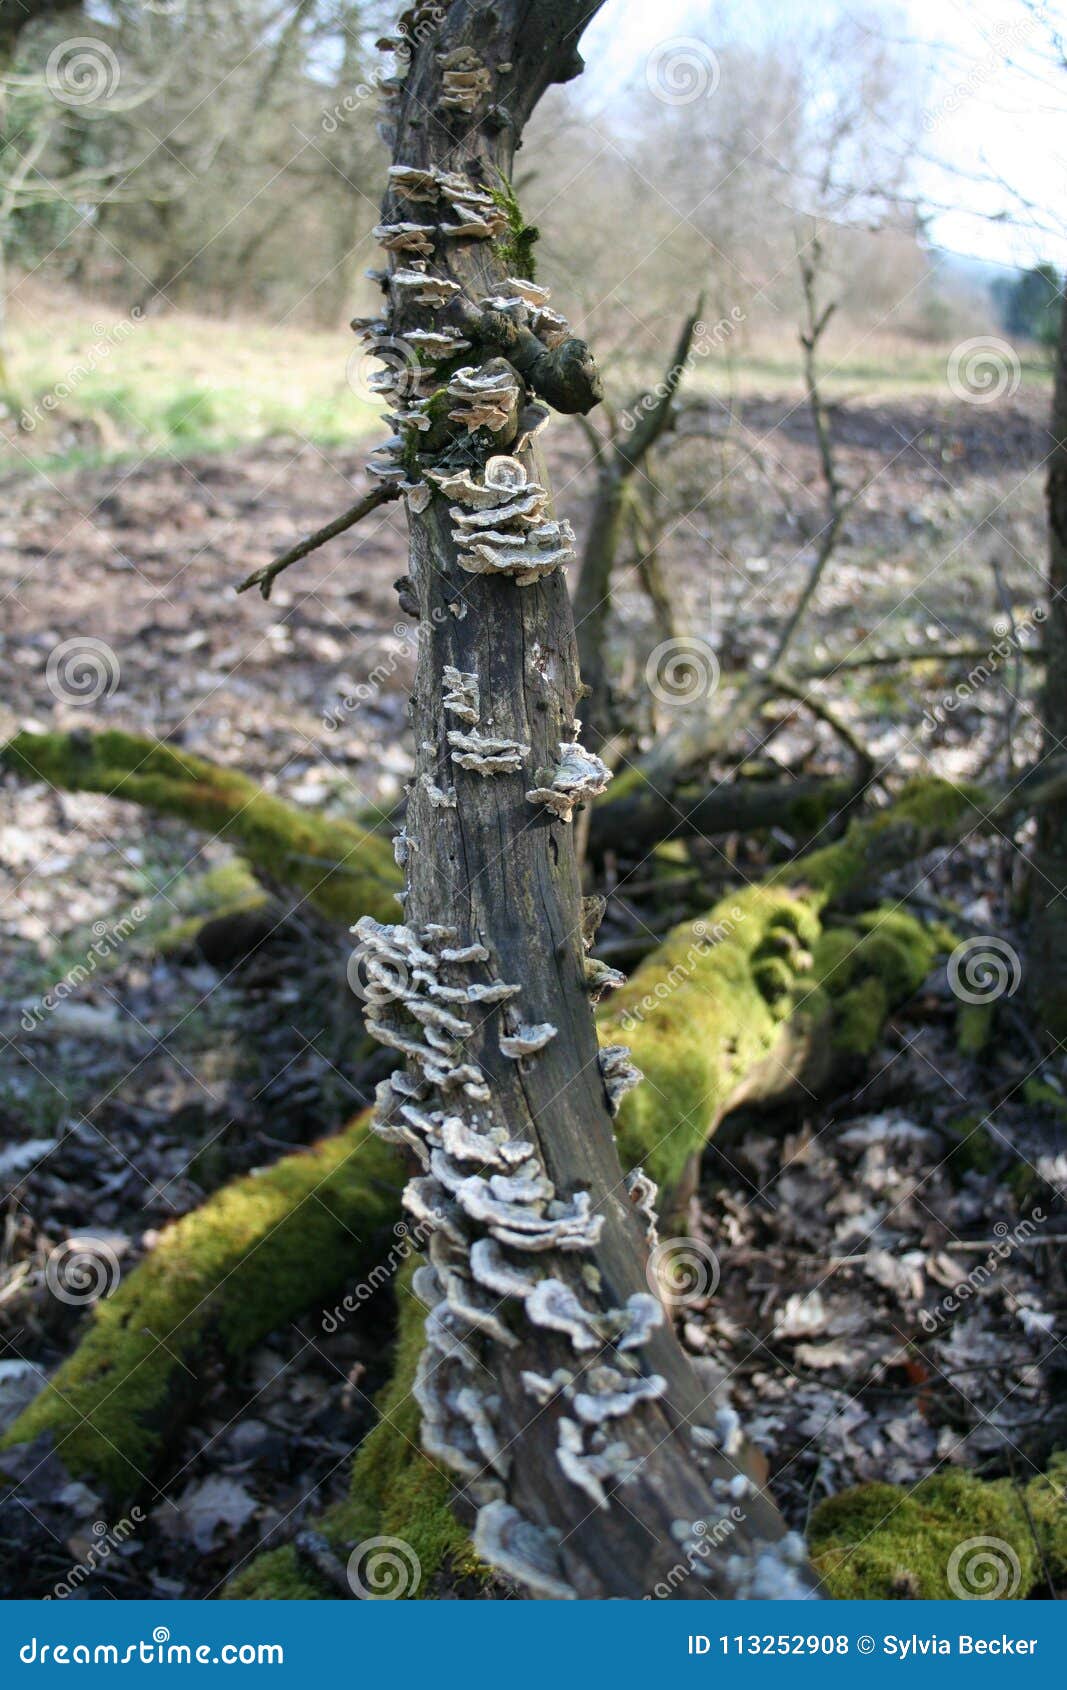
pixel 343 869
pixel 879 1541
pixel 258 1253
pixel 1046 1502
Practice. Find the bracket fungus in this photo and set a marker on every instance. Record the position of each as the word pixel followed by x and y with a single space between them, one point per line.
pixel 491 1268
pixel 406 237
pixel 465 79
pixel 579 775
pixel 461 698
pixel 486 397
pixel 521 1551
pixel 527 1040
pixel 555 1305
pixel 420 288
pixel 610 1394
pixel 618 1073
pixel 642 1193
pixel 485 755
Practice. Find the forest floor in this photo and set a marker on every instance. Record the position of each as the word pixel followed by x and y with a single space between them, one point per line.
pixel 167 1072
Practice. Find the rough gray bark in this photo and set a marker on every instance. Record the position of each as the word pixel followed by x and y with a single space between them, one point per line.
pixel 581 1434
pixel 1049 910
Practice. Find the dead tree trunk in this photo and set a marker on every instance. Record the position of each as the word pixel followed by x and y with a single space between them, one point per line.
pixel 1049 908
pixel 551 1383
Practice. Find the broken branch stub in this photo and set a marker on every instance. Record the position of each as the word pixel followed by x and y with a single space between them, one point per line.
pixel 536 1280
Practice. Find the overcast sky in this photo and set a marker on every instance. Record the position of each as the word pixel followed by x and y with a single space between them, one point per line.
pixel 996 107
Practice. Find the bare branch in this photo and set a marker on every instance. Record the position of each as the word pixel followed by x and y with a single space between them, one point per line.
pixel 264 578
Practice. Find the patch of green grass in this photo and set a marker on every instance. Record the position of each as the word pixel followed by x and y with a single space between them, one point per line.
pixel 94 391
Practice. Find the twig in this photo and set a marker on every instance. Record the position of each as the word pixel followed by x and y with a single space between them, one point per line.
pixel 264 578
pixel 838 502
pixel 920 654
pixel 823 713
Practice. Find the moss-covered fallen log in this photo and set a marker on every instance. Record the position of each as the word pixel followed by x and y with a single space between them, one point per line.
pixel 774 984
pixel 953 1536
pixel 636 815
pixel 258 1253
pixel 343 869
pixel 768 988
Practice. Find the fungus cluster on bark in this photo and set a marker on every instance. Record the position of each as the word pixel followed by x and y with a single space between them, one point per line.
pixel 550 1379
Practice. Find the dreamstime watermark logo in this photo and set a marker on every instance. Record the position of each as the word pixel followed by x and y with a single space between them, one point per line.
pixel 157 1651
pixel 82 670
pixel 108 1539
pixel 104 342
pixel 683 671
pixel 1008 1240
pixel 682 70
pixel 683 1271
pixel 107 939
pixel 984 970
pixel 376 979
pixel 705 936
pixel 984 1569
pixel 983 370
pixel 707 338
pixel 383 1569
pixel 1011 638
pixel 82 1270
pixel 81 71
pixel 399 377
pixel 426 22
pixel 409 1240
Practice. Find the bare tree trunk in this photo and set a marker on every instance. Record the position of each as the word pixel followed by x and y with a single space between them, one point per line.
pixel 1049 910
pixel 552 1384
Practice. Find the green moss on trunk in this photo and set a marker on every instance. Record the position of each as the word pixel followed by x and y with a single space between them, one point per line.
pixel 255 1255
pixel 343 869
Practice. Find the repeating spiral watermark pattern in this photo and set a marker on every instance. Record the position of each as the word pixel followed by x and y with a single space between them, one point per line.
pixel 387 368
pixel 682 671
pixel 81 1271
pixel 383 1569
pixel 376 979
pixel 984 1569
pixel 984 970
pixel 983 370
pixel 682 70
pixel 81 71
pixel 81 671
pixel 682 1271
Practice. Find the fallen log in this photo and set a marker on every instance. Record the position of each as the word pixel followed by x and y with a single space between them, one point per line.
pixel 637 815
pixel 769 989
pixel 343 869
pixel 258 1253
